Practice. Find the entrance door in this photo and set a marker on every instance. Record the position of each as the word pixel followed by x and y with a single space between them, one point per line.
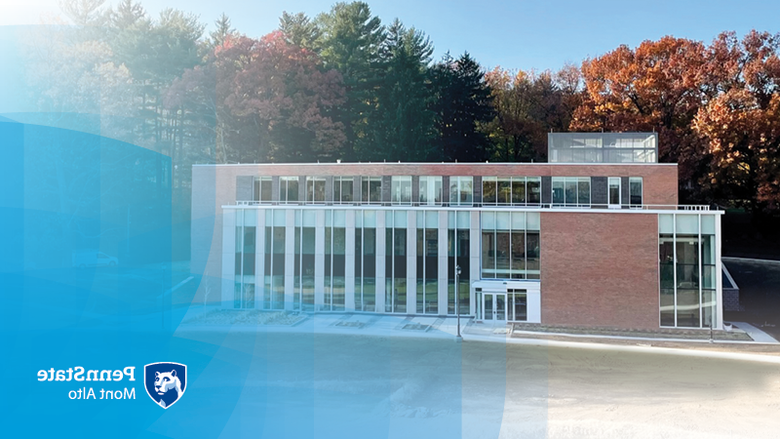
pixel 494 307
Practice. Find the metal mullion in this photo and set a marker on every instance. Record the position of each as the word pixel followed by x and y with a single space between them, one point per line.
pixel 674 258
pixel 271 255
pixel 701 316
pixel 332 253
pixel 241 262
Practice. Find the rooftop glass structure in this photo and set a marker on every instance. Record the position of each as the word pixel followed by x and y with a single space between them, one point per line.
pixel 602 147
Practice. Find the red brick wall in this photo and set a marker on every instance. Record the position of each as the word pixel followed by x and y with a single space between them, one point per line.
pixel 600 269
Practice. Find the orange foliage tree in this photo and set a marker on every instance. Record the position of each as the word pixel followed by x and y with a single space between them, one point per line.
pixel 715 108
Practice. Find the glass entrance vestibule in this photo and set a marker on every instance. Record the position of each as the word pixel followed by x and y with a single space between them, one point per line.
pixel 500 302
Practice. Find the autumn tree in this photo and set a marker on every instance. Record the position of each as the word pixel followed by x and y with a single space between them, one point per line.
pixel 740 127
pixel 656 87
pixel 527 106
pixel 271 100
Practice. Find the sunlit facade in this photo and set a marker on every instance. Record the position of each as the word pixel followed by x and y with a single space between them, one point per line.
pixel 597 244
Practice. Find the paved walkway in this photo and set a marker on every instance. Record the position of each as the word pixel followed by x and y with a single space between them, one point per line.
pixel 381 325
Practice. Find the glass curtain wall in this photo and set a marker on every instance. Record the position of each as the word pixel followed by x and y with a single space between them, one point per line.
pixel 458 252
pixel 365 260
pixel 510 245
pixel 395 261
pixel 687 270
pixel 244 284
pixel 427 262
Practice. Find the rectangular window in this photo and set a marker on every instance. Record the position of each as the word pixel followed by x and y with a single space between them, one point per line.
pixel 558 196
pixel 428 266
pixel 288 189
pixel 263 192
pixel 518 192
pixel 342 189
pixel 687 270
pixel 614 192
pixel 510 245
pixel 534 190
pixel 489 185
pixel 395 270
pixel 365 264
pixel 571 191
pixel 401 190
pixel 371 190
pixel 244 292
pixel 430 191
pixel 504 191
pixel 458 256
pixel 315 190
pixel 635 191
pixel 517 308
pixel 461 191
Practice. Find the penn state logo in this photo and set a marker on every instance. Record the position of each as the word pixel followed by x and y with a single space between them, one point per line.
pixel 165 383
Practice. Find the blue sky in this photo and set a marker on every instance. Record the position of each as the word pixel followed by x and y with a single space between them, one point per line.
pixel 514 34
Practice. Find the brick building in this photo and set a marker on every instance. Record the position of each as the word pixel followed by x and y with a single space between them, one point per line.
pixel 593 238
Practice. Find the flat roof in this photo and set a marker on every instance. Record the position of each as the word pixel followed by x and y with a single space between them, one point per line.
pixel 436 163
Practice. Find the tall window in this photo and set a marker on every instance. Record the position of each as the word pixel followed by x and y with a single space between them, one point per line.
pixel 288 189
pixel 533 190
pixel 571 191
pixel 263 192
pixel 273 294
pixel 401 190
pixel 461 191
pixel 342 189
pixel 365 260
pixel 303 298
pixel 635 191
pixel 614 192
pixel 430 191
pixel 458 252
pixel 335 260
pixel 315 189
pixel 517 305
pixel 244 291
pixel 395 261
pixel 371 190
pixel 510 245
pixel 427 262
pixel 688 281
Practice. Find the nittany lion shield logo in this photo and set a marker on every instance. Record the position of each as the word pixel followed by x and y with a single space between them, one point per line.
pixel 165 382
